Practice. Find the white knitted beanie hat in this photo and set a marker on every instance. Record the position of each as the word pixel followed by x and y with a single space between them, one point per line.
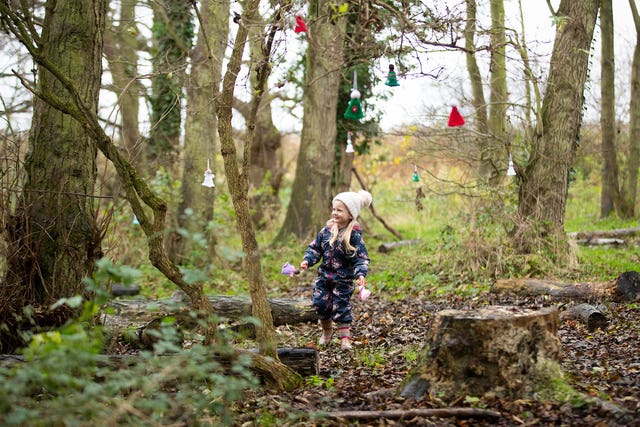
pixel 354 201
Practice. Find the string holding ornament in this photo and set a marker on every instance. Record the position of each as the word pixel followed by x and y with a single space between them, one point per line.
pixel 208 177
pixel 354 109
pixel 301 25
pixel 455 118
pixel 349 144
pixel 392 79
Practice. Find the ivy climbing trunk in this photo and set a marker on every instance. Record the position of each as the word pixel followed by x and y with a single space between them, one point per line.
pixel 52 236
pixel 542 194
pixel 201 124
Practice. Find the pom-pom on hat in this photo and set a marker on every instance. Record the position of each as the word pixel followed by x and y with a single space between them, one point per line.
pixel 354 201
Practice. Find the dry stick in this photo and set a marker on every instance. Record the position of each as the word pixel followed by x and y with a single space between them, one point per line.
pixel 410 413
pixel 375 214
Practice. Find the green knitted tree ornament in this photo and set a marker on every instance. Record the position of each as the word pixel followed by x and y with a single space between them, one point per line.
pixel 354 109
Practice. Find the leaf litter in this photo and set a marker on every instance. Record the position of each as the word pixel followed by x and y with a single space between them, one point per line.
pixel 388 336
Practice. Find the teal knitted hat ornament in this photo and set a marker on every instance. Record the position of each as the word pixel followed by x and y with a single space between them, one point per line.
pixel 392 80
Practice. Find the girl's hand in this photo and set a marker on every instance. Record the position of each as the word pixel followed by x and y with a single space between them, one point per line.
pixel 304 265
pixel 360 281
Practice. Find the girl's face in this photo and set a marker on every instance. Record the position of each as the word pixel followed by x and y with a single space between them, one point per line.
pixel 340 214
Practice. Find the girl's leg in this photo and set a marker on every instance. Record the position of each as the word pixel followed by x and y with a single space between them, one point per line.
pixel 342 313
pixel 344 333
pixel 322 300
pixel 327 331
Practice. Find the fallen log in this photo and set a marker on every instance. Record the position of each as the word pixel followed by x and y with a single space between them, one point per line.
pixel 588 315
pixel 616 233
pixel 415 412
pixel 388 247
pixel 532 287
pixel 601 241
pixel 303 360
pixel 284 311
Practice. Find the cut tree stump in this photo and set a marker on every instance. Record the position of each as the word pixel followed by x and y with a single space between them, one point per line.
pixel 509 351
pixel 588 315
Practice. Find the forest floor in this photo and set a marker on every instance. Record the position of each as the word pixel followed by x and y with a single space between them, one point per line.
pixel 387 337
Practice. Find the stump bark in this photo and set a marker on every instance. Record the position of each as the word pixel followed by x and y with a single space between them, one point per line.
pixel 505 350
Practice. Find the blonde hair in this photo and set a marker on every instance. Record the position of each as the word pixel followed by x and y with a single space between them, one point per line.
pixel 345 236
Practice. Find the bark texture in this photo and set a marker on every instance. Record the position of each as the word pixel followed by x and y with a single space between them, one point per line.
pixel 610 193
pixel 509 351
pixel 543 192
pixel 310 202
pixel 52 235
pixel 201 124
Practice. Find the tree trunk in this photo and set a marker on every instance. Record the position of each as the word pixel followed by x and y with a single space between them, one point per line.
pixel 609 194
pixel 543 193
pixel 630 189
pixel 52 236
pixel 266 168
pixel 492 154
pixel 509 351
pixel 237 178
pixel 201 124
pixel 120 48
pixel 137 192
pixel 475 78
pixel 310 203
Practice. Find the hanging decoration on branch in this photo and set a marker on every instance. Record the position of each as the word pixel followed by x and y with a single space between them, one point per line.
pixel 301 26
pixel 349 144
pixel 354 109
pixel 416 178
pixel 511 171
pixel 392 80
pixel 455 118
pixel 208 177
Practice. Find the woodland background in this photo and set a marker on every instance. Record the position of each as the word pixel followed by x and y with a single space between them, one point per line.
pixel 99 192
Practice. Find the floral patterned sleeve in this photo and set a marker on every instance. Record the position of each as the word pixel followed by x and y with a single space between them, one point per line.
pixel 314 251
pixel 361 266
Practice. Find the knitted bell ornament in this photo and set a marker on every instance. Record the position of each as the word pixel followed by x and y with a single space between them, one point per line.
pixel 392 80
pixel 301 26
pixel 511 171
pixel 349 144
pixel 208 177
pixel 455 118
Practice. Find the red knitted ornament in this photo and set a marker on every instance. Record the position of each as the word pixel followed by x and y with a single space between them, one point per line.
pixel 455 118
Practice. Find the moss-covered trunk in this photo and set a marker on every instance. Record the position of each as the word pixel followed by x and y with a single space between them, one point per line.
pixel 52 234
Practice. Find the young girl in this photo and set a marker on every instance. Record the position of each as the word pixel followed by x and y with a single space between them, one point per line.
pixel 344 259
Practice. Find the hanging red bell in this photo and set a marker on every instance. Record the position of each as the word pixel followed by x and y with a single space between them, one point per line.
pixel 455 118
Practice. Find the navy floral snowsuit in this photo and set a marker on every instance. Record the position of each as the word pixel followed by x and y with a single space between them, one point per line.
pixel 334 286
